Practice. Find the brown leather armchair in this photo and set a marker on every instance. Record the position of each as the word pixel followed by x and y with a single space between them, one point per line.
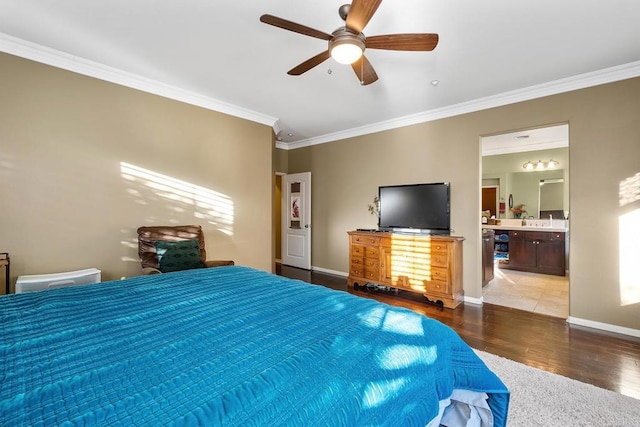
pixel 148 235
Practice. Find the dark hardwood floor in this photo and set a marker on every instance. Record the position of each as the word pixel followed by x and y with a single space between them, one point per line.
pixel 600 358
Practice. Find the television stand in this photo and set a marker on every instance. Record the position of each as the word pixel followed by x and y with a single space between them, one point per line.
pixel 427 264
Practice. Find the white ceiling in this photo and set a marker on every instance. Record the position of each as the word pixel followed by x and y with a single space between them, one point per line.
pixel 544 138
pixel 218 54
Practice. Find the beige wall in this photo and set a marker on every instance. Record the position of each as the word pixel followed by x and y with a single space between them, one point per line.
pixel 280 160
pixel 604 149
pixel 84 162
pixel 280 166
pixel 277 217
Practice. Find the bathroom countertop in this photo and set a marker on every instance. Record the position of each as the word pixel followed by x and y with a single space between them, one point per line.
pixel 515 227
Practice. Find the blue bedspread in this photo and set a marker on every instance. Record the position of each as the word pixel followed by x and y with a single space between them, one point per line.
pixel 226 346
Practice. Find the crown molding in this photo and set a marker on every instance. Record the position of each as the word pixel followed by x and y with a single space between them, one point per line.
pixel 35 52
pixel 65 61
pixel 581 81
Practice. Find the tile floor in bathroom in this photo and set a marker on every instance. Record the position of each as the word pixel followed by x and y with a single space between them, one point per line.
pixel 539 293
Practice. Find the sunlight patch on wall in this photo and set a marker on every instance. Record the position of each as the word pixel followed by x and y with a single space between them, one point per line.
pixel 630 190
pixel 629 238
pixel 185 198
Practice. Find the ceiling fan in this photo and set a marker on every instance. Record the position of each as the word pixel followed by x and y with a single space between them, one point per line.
pixel 347 44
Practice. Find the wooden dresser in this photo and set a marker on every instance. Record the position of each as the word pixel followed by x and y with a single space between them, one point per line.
pixel 430 265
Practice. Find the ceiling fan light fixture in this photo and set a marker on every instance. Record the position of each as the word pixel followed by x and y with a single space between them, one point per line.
pixel 346 53
pixel 346 47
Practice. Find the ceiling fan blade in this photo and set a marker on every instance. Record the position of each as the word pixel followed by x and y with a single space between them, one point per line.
pixel 415 42
pixel 295 27
pixel 360 13
pixel 309 64
pixel 364 70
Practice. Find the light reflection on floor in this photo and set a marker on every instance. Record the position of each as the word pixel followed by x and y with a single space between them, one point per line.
pixel 539 293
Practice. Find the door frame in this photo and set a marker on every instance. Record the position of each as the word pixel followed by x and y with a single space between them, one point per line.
pixel 507 189
pixel 296 240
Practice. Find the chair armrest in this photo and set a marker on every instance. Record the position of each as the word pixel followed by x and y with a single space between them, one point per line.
pixel 218 263
pixel 151 270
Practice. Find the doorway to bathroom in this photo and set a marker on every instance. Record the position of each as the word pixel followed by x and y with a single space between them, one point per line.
pixel 525 206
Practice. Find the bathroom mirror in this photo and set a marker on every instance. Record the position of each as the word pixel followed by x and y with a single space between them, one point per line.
pixel 508 174
pixel 551 199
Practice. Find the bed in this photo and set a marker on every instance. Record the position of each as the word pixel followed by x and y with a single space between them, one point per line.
pixel 232 346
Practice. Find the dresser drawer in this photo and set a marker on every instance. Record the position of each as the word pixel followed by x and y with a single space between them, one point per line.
pixel 356 270
pixel 438 286
pixel 365 240
pixel 420 248
pixel 440 259
pixel 372 273
pixel 371 262
pixel 439 247
pixel 357 261
pixel 357 250
pixel 370 252
pixel 440 274
pixel 437 260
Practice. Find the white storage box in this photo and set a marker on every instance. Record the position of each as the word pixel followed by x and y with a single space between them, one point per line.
pixel 40 282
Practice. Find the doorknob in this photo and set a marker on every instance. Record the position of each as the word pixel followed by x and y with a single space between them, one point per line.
pixel 307 226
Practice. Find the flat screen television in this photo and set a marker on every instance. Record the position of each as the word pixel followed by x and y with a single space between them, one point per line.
pixel 415 208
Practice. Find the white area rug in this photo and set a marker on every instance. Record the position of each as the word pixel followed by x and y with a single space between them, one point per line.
pixel 540 398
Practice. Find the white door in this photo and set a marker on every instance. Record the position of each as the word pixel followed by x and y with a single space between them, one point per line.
pixel 296 220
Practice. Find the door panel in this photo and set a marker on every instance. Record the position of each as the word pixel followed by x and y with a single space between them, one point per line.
pixel 295 245
pixel 490 200
pixel 522 251
pixel 551 257
pixel 296 220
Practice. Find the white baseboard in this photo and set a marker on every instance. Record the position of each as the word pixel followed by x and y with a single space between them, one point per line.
pixel 476 301
pixel 604 326
pixel 334 272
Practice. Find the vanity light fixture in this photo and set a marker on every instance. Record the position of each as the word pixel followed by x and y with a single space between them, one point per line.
pixel 540 165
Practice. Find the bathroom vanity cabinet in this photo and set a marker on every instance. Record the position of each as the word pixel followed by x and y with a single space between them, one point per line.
pixel 537 252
